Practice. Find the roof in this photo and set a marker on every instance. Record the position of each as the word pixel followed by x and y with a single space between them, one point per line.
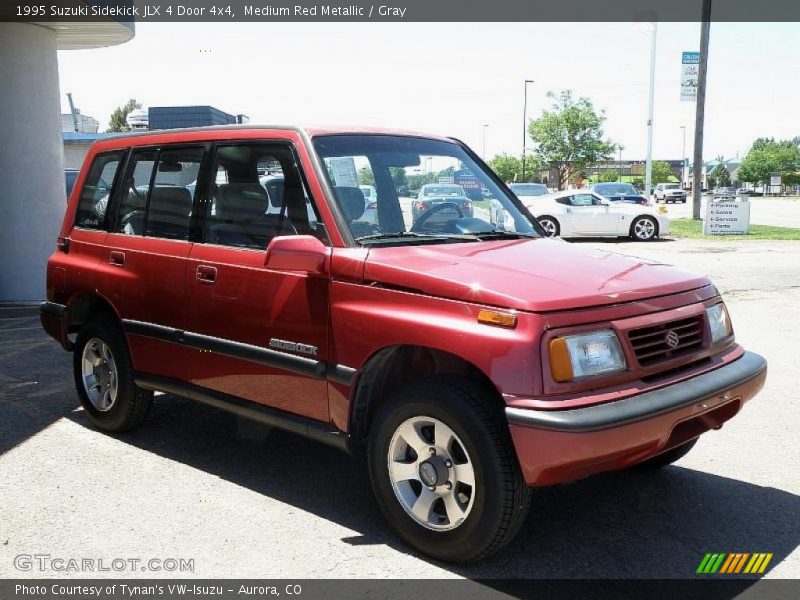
pixel 312 131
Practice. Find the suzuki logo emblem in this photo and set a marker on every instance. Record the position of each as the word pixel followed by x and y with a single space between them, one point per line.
pixel 672 339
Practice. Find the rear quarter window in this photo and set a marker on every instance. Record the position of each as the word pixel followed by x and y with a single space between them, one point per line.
pixel 96 191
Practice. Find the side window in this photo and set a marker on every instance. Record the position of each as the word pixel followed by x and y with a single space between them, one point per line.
pixel 135 188
pixel 582 200
pixel 169 207
pixel 258 194
pixel 158 191
pixel 93 203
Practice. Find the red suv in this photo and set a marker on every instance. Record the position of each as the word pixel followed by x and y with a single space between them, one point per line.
pixel 471 360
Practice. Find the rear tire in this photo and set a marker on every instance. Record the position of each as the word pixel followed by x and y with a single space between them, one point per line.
pixel 550 225
pixel 104 378
pixel 487 500
pixel 668 457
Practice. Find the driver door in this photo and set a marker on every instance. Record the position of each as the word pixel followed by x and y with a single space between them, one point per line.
pixel 588 215
pixel 256 333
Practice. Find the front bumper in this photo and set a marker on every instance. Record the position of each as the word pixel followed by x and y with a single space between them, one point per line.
pixel 554 446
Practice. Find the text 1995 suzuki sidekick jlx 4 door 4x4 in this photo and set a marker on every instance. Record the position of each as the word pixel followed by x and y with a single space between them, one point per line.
pixel 243 267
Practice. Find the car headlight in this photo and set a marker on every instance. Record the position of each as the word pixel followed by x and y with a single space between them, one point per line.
pixel 585 355
pixel 720 323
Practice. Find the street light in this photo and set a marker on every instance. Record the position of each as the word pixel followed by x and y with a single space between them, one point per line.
pixel 649 27
pixel 483 154
pixel 525 125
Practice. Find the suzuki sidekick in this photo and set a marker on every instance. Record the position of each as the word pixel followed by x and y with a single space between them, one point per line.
pixel 471 360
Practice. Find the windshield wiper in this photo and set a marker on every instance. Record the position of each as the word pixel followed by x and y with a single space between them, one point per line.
pixel 499 233
pixel 414 234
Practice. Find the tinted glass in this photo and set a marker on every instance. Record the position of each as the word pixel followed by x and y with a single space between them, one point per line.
pixel 93 203
pixel 247 209
pixel 169 205
pixel 133 199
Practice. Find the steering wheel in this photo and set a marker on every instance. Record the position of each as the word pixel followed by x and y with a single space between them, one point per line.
pixel 432 211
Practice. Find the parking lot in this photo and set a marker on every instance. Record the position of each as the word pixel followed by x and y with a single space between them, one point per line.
pixel 245 501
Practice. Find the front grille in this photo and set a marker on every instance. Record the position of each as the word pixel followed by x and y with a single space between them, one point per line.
pixel 650 344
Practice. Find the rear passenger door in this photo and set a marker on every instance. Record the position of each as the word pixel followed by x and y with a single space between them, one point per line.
pixel 147 249
pixel 257 334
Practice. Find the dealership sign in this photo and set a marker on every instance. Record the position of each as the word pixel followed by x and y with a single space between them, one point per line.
pixel 690 68
pixel 723 218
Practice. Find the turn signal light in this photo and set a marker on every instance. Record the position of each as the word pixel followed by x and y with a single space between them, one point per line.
pixel 560 361
pixel 498 318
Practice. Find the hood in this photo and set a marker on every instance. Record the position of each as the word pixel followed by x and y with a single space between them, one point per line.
pixel 532 275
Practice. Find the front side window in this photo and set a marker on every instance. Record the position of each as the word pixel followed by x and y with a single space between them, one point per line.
pixel 426 191
pixel 583 200
pixel 258 193
pixel 96 191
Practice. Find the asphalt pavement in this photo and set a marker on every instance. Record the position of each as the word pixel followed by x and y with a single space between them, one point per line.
pixel 241 500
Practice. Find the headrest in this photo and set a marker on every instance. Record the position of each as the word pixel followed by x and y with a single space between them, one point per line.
pixel 171 198
pixel 351 199
pixel 248 200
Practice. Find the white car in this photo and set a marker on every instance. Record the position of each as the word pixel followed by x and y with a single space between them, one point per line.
pixel 669 192
pixel 579 213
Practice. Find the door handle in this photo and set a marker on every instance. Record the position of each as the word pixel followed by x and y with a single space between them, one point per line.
pixel 116 258
pixel 206 274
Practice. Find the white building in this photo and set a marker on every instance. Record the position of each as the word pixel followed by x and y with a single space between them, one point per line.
pixel 32 152
pixel 86 124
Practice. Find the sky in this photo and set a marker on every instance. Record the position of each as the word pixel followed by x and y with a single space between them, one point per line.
pixel 454 78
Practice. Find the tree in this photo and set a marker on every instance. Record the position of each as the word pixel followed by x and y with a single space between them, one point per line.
pixel 608 176
pixel 118 122
pixel 365 176
pixel 721 175
pixel 570 136
pixel 661 172
pixel 766 156
pixel 507 167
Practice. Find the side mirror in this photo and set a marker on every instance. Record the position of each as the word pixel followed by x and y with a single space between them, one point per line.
pixel 301 253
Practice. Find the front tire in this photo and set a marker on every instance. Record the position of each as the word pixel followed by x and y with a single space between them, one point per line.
pixel 644 229
pixel 443 470
pixel 550 225
pixel 104 378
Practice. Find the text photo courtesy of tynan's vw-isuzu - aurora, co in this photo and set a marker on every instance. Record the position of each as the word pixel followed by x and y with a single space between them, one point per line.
pixel 445 299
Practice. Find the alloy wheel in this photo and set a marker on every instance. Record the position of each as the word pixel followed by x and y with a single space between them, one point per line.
pixel 431 473
pixel 100 377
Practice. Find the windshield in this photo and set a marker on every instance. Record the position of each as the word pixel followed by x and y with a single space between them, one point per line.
pixel 442 190
pixel 670 186
pixel 528 189
pixel 426 191
pixel 616 189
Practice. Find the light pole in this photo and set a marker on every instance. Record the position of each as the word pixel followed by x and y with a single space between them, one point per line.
pixel 525 125
pixel 483 154
pixel 700 110
pixel 649 27
pixel 683 157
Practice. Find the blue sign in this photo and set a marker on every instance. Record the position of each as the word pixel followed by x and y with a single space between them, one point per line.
pixel 691 58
